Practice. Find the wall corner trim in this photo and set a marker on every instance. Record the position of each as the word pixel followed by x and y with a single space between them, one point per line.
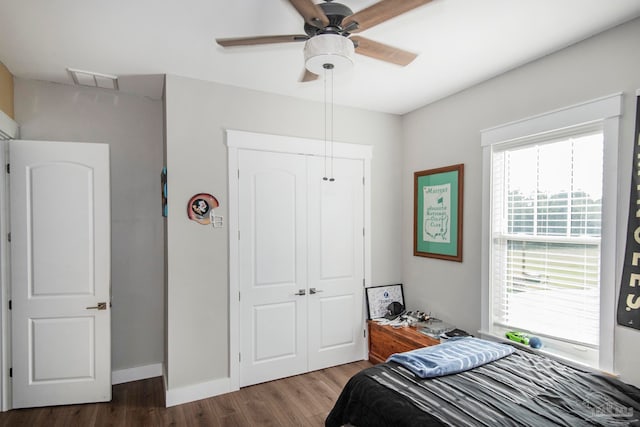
pixel 8 127
pixel 190 393
pixel 138 373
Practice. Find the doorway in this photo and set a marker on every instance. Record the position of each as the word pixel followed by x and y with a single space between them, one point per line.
pixel 300 260
pixel 60 273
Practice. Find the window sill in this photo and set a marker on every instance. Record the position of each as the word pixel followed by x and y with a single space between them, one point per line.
pixel 569 354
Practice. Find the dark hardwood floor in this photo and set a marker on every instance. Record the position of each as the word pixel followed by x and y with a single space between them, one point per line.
pixel 303 400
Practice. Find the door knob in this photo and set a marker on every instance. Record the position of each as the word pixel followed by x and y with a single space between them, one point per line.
pixel 301 292
pixel 100 306
pixel 314 291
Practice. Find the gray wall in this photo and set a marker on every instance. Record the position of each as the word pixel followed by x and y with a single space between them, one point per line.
pixel 448 132
pixel 197 113
pixel 132 126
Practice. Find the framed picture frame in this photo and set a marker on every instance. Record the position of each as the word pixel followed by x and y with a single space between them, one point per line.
pixel 379 298
pixel 437 213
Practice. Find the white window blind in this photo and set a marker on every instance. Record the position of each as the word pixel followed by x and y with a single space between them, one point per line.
pixel 545 236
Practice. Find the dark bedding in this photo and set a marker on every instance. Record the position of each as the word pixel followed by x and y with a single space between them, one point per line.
pixel 523 389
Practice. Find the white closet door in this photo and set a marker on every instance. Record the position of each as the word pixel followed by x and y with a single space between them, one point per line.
pixel 336 263
pixel 272 265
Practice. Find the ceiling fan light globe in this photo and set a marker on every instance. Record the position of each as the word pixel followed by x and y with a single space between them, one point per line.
pixel 331 49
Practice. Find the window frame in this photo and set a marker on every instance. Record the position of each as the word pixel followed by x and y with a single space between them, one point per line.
pixel 601 112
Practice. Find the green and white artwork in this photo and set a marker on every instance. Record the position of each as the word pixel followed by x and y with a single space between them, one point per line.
pixel 437 213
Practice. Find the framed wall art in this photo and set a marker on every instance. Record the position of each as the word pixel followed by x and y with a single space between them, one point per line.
pixel 437 213
pixel 379 298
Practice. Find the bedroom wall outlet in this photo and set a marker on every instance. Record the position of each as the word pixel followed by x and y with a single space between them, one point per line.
pixel 217 221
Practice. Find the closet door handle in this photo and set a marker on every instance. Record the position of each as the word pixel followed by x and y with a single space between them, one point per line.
pixel 314 291
pixel 301 292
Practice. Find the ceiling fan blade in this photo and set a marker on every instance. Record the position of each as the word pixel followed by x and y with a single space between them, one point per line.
pixel 311 13
pixel 308 76
pixel 382 51
pixel 380 12
pixel 249 41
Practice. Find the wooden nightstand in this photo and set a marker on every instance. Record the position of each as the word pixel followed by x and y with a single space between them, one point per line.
pixel 386 340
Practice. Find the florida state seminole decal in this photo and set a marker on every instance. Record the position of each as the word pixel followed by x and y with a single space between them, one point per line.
pixel 200 206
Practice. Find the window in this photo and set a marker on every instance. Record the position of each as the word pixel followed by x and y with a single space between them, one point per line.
pixel 547 209
pixel 549 231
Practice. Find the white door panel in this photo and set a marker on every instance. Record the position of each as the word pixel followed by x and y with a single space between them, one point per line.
pixel 274 327
pixel 274 221
pixel 60 268
pixel 336 263
pixel 334 332
pixel 336 230
pixel 55 214
pixel 52 361
pixel 272 260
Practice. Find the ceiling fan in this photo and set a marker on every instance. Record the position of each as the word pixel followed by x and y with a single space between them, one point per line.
pixel 329 22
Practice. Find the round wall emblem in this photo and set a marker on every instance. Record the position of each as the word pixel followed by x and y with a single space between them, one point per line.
pixel 199 207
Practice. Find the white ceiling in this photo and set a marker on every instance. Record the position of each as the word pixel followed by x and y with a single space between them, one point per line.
pixel 460 43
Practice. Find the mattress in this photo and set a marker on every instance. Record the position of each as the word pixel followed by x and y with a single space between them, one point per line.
pixel 523 389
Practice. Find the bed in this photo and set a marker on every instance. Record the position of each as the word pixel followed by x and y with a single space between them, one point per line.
pixel 519 389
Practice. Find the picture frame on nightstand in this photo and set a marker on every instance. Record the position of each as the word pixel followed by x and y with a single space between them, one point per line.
pixel 379 298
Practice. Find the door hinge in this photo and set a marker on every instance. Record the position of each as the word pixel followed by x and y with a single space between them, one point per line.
pixel 10 305
pixel 239 357
pixel 238 296
pixel 238 234
pixel 363 231
pixel 8 167
pixel 364 333
pixel 363 180
pixel 238 173
pixel 10 372
pixel 363 285
pixel 9 237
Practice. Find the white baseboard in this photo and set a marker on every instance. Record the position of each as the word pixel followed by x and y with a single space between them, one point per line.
pixel 137 373
pixel 180 395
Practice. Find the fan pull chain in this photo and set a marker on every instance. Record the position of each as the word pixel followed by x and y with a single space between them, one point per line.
pixel 324 178
pixel 332 118
pixel 326 124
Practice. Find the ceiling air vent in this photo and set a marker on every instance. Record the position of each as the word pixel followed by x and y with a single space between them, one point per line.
pixel 91 79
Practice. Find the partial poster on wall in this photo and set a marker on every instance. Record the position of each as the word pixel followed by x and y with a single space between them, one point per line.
pixel 629 299
pixel 163 184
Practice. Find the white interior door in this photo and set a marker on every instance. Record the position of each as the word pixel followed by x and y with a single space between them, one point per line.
pixel 272 265
pixel 60 273
pixel 336 263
